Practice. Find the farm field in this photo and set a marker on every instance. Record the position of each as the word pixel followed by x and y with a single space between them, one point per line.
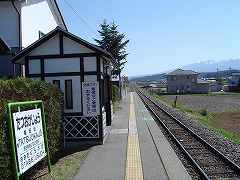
pixel 220 111
pixel 213 102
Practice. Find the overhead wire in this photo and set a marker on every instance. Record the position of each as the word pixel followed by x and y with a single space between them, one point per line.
pixel 80 18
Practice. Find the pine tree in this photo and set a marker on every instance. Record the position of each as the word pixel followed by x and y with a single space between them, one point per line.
pixel 115 43
pixel 104 33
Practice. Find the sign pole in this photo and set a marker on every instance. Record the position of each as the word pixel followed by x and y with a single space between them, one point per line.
pixel 45 137
pixel 12 141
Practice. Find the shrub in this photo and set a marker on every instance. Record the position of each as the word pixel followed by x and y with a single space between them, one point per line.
pixel 115 93
pixel 22 89
pixel 203 112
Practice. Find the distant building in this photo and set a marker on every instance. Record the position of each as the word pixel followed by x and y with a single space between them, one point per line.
pixel 235 79
pixel 215 86
pixel 233 83
pixel 185 81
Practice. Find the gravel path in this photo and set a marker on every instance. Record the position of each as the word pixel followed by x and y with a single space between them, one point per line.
pixel 218 103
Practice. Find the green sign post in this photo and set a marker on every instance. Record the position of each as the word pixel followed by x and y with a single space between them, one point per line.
pixel 28 135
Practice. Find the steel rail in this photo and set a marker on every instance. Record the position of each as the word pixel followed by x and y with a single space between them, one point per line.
pixel 203 175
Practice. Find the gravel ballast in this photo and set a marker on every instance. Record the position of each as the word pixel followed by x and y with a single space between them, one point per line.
pixel 226 147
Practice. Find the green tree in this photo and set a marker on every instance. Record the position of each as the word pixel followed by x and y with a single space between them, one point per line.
pixel 114 42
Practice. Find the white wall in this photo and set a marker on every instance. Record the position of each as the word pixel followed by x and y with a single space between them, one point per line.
pixel 62 65
pixel 36 17
pixel 90 78
pixel 90 64
pixel 9 23
pixel 35 66
pixel 76 87
pixel 71 46
pixel 49 47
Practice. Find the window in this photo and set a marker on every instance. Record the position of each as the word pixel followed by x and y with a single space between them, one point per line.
pixel 56 83
pixel 68 94
pixel 173 78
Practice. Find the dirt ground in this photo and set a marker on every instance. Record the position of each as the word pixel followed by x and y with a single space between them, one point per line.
pixel 216 104
pixel 230 121
pixel 225 107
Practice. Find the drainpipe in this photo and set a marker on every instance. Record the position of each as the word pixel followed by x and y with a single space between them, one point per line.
pixel 19 33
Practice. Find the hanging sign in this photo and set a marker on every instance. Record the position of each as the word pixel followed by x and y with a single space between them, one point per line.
pixel 28 131
pixel 90 95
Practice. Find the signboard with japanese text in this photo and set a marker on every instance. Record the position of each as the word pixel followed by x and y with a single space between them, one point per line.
pixel 90 95
pixel 27 130
pixel 29 138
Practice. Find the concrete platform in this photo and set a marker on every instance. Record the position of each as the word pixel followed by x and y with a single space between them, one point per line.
pixel 158 157
pixel 135 149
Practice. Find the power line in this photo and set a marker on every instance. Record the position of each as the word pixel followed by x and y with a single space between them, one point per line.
pixel 80 18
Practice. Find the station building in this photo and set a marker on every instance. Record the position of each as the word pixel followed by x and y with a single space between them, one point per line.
pixel 82 71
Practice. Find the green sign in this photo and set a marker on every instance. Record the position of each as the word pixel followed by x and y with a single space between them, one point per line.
pixel 28 135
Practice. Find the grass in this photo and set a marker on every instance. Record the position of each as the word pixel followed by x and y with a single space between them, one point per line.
pixel 218 94
pixel 66 167
pixel 228 135
pixel 116 106
pixel 204 117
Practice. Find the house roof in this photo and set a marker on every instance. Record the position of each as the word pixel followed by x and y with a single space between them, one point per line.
pixel 3 46
pixel 182 72
pixel 53 5
pixel 75 38
pixel 200 81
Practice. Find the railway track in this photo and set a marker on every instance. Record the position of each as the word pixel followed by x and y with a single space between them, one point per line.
pixel 208 161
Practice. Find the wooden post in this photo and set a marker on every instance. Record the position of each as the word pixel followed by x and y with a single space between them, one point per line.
pixel 175 102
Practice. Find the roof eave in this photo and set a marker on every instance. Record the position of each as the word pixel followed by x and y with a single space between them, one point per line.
pixel 52 33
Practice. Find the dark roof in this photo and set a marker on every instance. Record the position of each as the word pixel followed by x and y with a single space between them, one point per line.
pixel 51 34
pixel 182 72
pixel 3 46
pixel 60 14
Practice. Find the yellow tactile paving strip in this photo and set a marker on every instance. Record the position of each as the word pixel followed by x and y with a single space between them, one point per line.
pixel 134 163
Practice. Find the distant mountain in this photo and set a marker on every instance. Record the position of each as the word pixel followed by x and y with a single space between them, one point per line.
pixel 218 74
pixel 154 77
pixel 207 69
pixel 212 66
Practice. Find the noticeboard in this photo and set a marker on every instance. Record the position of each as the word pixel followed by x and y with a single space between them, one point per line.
pixel 27 130
pixel 90 95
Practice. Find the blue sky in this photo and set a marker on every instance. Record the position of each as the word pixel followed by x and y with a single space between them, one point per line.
pixel 163 34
